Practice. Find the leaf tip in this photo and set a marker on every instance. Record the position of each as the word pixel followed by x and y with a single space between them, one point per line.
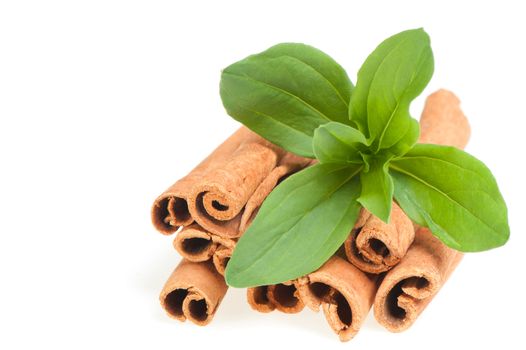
pixel 418 33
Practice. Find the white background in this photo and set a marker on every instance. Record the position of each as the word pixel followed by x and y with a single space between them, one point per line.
pixel 103 104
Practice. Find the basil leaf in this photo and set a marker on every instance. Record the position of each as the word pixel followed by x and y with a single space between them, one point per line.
pixel 299 226
pixel 358 102
pixel 452 193
pixel 377 188
pixel 285 98
pixel 338 143
pixel 408 140
pixel 320 61
pixel 391 77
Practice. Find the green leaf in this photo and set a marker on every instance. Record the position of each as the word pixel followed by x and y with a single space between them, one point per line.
pixel 285 93
pixel 299 226
pixel 320 61
pixel 452 193
pixel 408 140
pixel 391 77
pixel 377 187
pixel 338 143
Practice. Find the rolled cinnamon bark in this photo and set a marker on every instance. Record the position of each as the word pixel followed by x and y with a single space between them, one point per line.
pixel 409 287
pixel 344 292
pixel 374 246
pixel 288 164
pixel 196 244
pixel 443 122
pixel 258 299
pixel 285 297
pixel 193 291
pixel 282 296
pixel 217 200
pixel 170 209
pixel 222 256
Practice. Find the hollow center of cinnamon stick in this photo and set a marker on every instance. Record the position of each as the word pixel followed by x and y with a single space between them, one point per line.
pixel 198 309
pixel 161 211
pixel 200 206
pixel 174 302
pixel 180 209
pixel 260 295
pixel 343 309
pixel 284 295
pixel 394 310
pixel 219 206
pixel 224 261
pixel 418 282
pixel 379 247
pixel 319 290
pixel 196 245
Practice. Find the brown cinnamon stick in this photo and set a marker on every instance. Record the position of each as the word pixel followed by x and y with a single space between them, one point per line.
pixel 222 256
pixel 193 291
pixel 344 292
pixel 443 122
pixel 288 164
pixel 170 209
pixel 216 201
pixel 374 246
pixel 409 287
pixel 282 296
pixel 196 244
pixel 258 299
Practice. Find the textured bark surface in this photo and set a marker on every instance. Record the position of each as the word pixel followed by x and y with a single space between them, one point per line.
pixel 193 291
pixel 374 246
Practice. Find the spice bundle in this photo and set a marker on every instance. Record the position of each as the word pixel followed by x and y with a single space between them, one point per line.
pixel 396 267
pixel 208 210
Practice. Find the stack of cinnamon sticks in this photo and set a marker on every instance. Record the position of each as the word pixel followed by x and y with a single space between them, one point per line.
pixel 396 267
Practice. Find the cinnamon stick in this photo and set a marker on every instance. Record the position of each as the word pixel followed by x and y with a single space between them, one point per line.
pixel 282 296
pixel 258 299
pixel 443 122
pixel 196 244
pixel 222 256
pixel 170 209
pixel 217 200
pixel 374 246
pixel 409 287
pixel 193 291
pixel 344 292
pixel 288 164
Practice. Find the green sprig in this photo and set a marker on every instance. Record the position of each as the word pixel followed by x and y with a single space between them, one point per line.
pixel 365 141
